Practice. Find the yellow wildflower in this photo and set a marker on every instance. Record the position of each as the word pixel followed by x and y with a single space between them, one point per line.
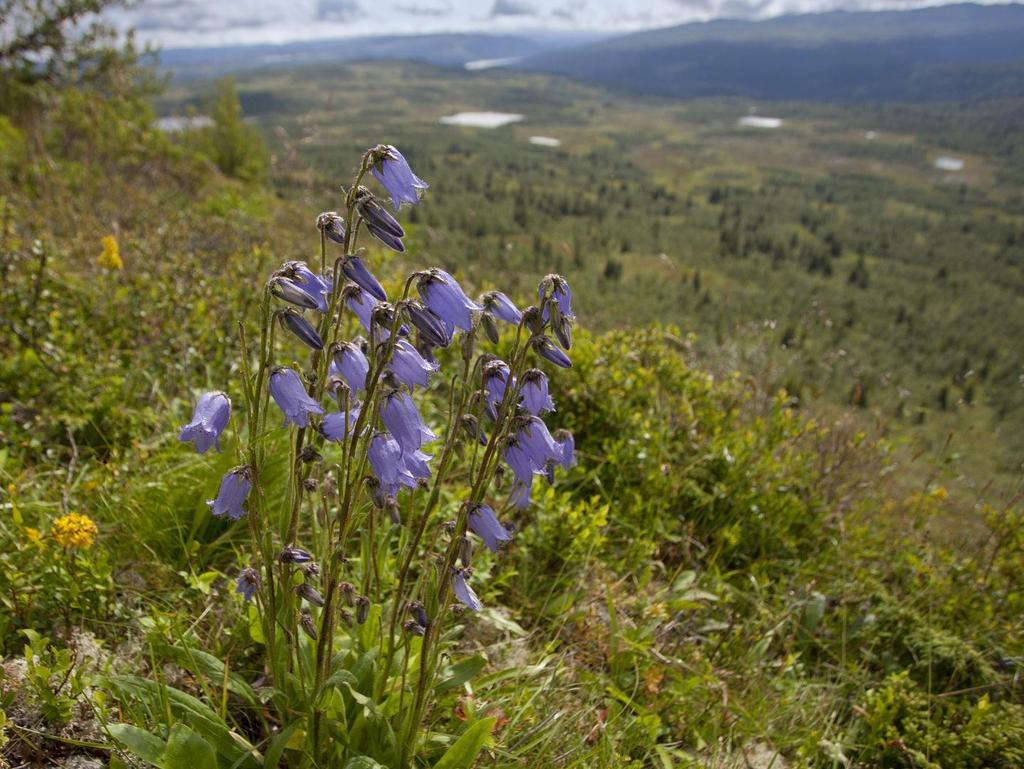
pixel 34 536
pixel 111 256
pixel 74 530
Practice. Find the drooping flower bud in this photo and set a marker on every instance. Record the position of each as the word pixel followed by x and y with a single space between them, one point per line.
pixel 332 225
pixel 308 593
pixel 307 624
pixel 295 555
pixel 248 583
pixel 289 291
pixel 547 350
pixel 355 270
pixel 301 328
pixel 362 609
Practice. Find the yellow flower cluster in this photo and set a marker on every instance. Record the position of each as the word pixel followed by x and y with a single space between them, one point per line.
pixel 74 530
pixel 111 255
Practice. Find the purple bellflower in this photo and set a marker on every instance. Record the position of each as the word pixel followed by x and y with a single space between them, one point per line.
pixel 463 591
pixel 535 439
pixel 291 397
pixel 534 392
pixel 445 297
pixel 248 583
pixel 522 468
pixel 362 304
pixel 355 270
pixel 501 307
pixel 416 463
pixel 309 281
pixel 402 418
pixel 393 171
pixel 234 488
pixel 301 328
pixel 385 457
pixel 409 367
pixel 333 425
pixel 495 379
pixel 208 421
pixel 351 364
pixel 484 523
pixel 561 294
pixel 567 448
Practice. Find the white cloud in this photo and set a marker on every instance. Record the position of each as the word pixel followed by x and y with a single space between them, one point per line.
pixel 233 22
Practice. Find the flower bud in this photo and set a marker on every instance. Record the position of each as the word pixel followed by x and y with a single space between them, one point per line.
pixel 419 614
pixel 309 593
pixel 362 609
pixel 332 226
pixel 465 551
pixel 309 455
pixel 312 571
pixel 490 326
pixel 348 592
pixel 346 617
pixel 533 319
pixel 301 328
pixel 306 622
pixel 391 507
pixel 289 291
pixel 413 628
pixel 295 555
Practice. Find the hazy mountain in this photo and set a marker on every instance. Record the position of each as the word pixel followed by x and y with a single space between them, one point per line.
pixel 953 52
pixel 448 50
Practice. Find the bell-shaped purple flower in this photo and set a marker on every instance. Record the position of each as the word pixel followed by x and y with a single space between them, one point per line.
pixel 334 424
pixel 208 421
pixel 550 351
pixel 534 392
pixel 559 293
pixel 308 281
pixel 291 397
pixel 301 328
pixel 409 367
pixel 446 299
pixel 402 418
pixel 355 270
pixel 463 591
pixel 518 459
pixel 416 463
pixel 349 362
pixel 495 380
pixel 362 304
pixel 231 496
pixel 501 307
pixel 485 524
pixel 535 439
pixel 392 170
pixel 248 583
pixel 567 448
pixel 386 461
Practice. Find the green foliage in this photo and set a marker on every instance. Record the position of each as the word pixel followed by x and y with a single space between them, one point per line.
pixel 237 149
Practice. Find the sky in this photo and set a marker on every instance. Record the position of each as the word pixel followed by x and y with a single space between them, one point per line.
pixel 187 23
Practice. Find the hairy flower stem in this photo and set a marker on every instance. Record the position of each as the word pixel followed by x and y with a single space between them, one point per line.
pixel 428 654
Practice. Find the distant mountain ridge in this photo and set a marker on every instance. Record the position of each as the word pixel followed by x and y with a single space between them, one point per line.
pixel 955 52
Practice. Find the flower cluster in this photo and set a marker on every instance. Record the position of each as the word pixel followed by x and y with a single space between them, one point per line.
pixel 74 530
pixel 360 447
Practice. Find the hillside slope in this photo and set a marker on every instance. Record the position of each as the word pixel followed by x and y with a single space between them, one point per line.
pixel 960 52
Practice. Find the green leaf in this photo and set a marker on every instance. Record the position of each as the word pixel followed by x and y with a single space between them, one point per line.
pixel 207 665
pixel 187 750
pixel 461 672
pixel 464 750
pixel 138 741
pixel 276 749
